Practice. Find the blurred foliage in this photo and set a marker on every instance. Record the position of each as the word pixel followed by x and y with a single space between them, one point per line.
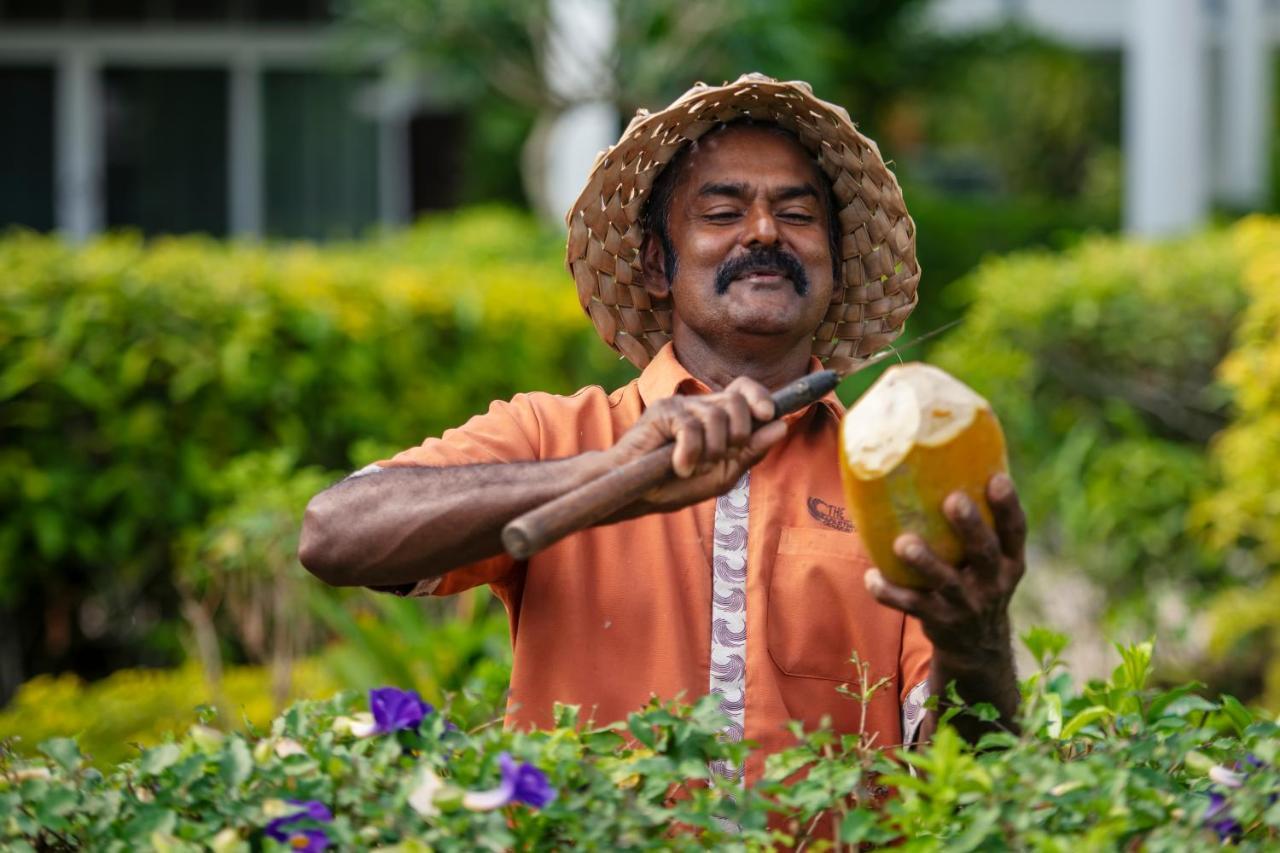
pixel 136 707
pixel 1043 120
pixel 241 568
pixel 456 649
pixel 956 233
pixel 1274 136
pixel 1116 766
pixel 133 375
pixel 1100 363
pixel 506 49
pixel 1242 515
pixel 445 652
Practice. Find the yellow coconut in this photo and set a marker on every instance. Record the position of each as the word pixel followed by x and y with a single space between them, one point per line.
pixel 917 435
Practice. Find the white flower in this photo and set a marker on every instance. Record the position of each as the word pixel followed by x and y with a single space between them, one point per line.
pixel 206 738
pixel 1223 776
pixel 286 747
pixel 25 773
pixel 228 841
pixel 357 725
pixel 423 798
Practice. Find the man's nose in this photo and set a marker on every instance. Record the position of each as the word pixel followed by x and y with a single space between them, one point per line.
pixel 761 228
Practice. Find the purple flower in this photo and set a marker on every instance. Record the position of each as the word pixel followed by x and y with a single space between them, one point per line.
pixel 281 829
pixel 309 840
pixel 521 783
pixel 1218 818
pixel 394 709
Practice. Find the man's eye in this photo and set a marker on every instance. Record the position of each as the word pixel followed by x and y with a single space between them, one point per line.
pixel 797 216
pixel 722 215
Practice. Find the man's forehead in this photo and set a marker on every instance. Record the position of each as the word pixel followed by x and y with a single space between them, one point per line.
pixel 747 154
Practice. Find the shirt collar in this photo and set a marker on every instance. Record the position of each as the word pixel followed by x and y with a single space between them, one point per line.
pixel 666 376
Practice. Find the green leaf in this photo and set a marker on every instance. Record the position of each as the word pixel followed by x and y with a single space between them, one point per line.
pixel 149 821
pixel 237 762
pixel 1083 718
pixel 57 803
pixel 857 826
pixel 159 759
pixel 1053 705
pixel 642 729
pixel 1045 645
pixel 64 751
pixel 1236 713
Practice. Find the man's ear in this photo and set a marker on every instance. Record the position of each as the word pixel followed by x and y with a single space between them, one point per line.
pixel 653 265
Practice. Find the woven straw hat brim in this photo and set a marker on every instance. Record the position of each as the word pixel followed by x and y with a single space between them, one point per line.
pixel 880 274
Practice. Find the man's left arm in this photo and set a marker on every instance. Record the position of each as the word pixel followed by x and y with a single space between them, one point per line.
pixel 964 610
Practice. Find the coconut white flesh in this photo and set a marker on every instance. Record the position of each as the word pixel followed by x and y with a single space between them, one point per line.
pixel 911 404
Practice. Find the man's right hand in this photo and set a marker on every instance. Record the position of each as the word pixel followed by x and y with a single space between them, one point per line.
pixel 714 443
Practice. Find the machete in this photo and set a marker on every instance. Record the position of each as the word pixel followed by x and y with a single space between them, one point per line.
pixel 594 501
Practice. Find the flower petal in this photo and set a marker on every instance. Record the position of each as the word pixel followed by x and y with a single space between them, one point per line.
pixel 394 709
pixel 1223 776
pixel 309 840
pixel 532 787
pixel 286 747
pixel 423 798
pixel 358 725
pixel 484 801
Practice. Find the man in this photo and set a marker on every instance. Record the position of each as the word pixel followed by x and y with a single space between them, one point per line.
pixel 721 245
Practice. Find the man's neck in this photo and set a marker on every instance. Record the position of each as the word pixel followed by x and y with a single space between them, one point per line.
pixel 716 367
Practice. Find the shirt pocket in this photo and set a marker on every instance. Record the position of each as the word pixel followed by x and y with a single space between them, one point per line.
pixel 819 609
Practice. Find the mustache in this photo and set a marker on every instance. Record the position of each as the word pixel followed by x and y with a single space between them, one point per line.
pixel 762 259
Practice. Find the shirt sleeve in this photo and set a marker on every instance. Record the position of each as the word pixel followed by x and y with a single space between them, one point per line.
pixel 508 432
pixel 917 655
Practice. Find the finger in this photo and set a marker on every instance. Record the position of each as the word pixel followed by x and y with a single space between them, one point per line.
pixel 1011 521
pixel 739 412
pixel 937 574
pixel 715 431
pixel 756 395
pixel 764 438
pixel 981 547
pixel 688 452
pixel 909 601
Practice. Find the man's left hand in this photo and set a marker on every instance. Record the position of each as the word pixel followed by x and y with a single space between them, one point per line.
pixel 964 609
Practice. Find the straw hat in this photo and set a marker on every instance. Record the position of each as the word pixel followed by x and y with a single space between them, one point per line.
pixel 877 286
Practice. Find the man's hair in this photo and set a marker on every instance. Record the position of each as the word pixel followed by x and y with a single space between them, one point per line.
pixel 657 211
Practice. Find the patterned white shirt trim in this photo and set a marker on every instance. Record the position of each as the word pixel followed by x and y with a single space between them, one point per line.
pixel 913 712
pixel 729 613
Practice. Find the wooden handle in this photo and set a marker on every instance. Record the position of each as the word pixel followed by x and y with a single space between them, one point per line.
pixel 602 497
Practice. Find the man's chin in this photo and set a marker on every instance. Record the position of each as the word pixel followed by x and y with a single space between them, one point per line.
pixel 769 325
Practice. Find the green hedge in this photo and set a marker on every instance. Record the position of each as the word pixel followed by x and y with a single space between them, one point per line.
pixel 1116 767
pixel 132 373
pixel 1101 364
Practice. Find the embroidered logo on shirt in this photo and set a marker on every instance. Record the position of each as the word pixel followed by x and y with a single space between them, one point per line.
pixel 829 514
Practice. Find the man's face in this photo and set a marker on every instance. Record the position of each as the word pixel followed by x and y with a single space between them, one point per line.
pixel 748 223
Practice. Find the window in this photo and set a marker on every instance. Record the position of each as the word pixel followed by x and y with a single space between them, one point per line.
pixel 166 149
pixel 26 147
pixel 320 157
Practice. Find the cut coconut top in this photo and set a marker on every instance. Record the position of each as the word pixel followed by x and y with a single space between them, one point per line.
pixel 910 404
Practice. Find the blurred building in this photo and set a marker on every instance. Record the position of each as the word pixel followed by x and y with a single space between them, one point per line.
pixel 1199 93
pixel 229 117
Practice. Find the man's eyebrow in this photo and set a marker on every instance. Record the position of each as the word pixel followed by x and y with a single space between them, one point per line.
pixel 730 188
pixel 794 192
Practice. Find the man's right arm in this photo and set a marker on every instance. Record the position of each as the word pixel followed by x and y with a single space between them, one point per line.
pixel 401 525
pixel 407 524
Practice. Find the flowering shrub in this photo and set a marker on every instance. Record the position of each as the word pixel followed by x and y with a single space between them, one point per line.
pixel 160 396
pixel 1115 766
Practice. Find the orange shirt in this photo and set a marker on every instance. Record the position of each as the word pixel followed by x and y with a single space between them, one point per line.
pixel 610 615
